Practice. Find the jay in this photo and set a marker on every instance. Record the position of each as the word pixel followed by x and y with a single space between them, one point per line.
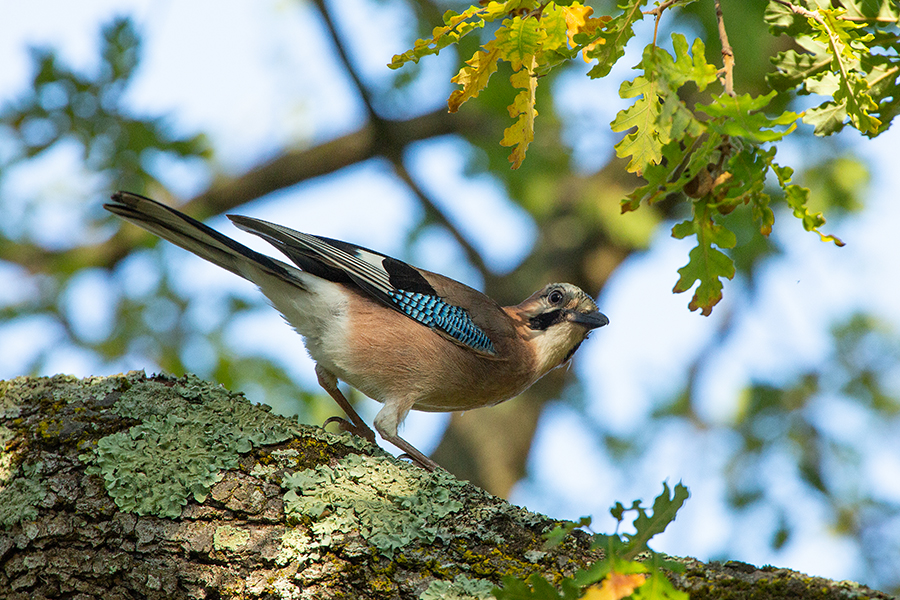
pixel 406 337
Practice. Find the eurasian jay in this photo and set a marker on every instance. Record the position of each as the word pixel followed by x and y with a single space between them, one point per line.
pixel 406 337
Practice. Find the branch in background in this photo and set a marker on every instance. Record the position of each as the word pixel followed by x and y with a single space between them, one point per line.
pixel 226 193
pixel 392 148
pixel 438 215
pixel 295 166
pixel 345 59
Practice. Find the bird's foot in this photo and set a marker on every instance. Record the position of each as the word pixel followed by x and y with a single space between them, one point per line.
pixel 362 430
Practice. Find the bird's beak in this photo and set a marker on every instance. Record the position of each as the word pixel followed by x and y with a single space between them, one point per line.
pixel 591 320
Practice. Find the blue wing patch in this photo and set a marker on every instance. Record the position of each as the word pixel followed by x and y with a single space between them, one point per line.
pixel 452 320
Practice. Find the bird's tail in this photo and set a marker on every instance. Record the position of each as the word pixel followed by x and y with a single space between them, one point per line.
pixel 195 237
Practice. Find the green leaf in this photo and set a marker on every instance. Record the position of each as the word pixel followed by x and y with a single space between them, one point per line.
pixel 846 58
pixel 658 587
pixel 740 116
pixel 644 146
pixel 688 66
pixel 664 510
pixel 519 40
pixel 658 115
pixel 680 165
pixel 610 44
pixel 749 167
pixel 797 198
pixel 793 68
pixel 706 263
pixel 617 558
pixel 827 118
pixel 782 20
pixel 554 28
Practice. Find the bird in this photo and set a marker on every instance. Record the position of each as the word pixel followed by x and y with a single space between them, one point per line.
pixel 406 337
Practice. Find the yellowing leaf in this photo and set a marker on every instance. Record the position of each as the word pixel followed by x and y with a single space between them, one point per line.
pixel 518 40
pixel 615 586
pixel 475 76
pixel 554 28
pixel 521 133
pixel 579 20
pixel 458 25
pixel 455 27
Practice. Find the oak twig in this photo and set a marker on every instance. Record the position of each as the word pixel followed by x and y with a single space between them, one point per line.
pixel 657 12
pixel 799 10
pixel 727 52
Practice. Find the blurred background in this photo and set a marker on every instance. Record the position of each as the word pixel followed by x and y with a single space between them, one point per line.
pixel 780 411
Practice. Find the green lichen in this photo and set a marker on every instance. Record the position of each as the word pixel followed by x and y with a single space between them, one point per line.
pixel 231 538
pixel 534 556
pixel 189 433
pixel 19 496
pixel 461 588
pixel 389 505
pixel 9 398
pixel 71 389
pixel 6 436
pixel 297 546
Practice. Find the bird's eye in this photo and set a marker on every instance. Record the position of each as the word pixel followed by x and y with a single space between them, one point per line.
pixel 555 297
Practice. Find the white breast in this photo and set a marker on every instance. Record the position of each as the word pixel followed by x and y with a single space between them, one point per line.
pixel 318 313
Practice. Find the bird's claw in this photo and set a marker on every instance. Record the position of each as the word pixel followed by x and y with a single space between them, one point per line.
pixel 345 425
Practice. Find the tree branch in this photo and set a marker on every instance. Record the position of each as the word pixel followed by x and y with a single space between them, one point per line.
pixel 658 10
pixel 296 166
pixel 345 59
pixel 227 192
pixel 137 487
pixel 727 52
pixel 433 210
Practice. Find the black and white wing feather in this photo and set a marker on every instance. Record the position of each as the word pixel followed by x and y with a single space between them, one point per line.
pixel 392 282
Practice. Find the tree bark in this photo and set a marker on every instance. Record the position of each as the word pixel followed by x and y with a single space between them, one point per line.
pixel 154 487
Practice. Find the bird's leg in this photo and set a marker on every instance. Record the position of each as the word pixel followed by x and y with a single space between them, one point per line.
pixel 388 420
pixel 356 424
pixel 385 422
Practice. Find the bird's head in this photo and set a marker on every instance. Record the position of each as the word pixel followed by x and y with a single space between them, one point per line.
pixel 555 320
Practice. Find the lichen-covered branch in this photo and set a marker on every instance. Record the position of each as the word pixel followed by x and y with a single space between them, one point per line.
pixel 155 487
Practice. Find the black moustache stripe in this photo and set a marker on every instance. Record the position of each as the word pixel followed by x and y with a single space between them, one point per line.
pixel 546 320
